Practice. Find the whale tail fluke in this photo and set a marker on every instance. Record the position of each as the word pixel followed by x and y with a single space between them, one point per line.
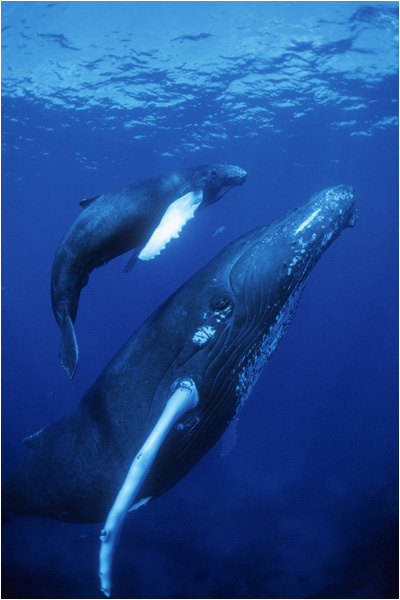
pixel 68 352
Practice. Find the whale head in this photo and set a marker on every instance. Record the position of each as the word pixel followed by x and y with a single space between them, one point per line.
pixel 255 283
pixel 216 180
pixel 274 261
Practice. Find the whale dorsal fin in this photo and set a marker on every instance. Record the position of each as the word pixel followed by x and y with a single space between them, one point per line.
pixel 88 201
pixel 177 214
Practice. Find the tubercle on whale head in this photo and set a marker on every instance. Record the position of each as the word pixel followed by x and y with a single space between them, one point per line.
pixel 324 216
pixel 216 180
pixel 287 249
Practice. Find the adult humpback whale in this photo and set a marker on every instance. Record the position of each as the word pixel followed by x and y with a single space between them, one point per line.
pixel 149 214
pixel 171 391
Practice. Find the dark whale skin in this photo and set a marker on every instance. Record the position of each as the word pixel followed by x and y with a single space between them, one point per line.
pixel 219 329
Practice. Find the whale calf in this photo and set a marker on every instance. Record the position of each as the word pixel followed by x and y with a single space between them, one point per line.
pixel 172 390
pixel 145 215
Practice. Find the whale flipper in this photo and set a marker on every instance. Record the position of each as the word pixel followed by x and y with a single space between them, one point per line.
pixel 176 216
pixel 68 352
pixel 132 261
pixel 184 397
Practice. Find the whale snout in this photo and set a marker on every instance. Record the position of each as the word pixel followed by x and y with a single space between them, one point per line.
pixel 294 245
pixel 351 207
pixel 354 217
pixel 242 176
pixel 321 220
pixel 331 210
pixel 340 200
pixel 236 175
pixel 217 180
pixel 241 173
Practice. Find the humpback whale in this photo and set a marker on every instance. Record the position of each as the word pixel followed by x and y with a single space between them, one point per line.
pixel 145 216
pixel 172 390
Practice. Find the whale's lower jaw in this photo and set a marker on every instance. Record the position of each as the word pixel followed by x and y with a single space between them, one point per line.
pixel 254 361
pixel 224 190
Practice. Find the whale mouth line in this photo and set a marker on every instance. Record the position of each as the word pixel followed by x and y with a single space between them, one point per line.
pixel 226 188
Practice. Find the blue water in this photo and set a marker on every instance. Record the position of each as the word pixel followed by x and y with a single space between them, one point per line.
pixel 303 95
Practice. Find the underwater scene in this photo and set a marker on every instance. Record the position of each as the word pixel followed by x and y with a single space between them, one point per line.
pixel 172 172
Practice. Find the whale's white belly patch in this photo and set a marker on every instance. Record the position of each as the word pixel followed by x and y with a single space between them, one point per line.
pixel 177 214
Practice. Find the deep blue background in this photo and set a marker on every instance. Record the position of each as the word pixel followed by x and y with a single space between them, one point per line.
pixel 305 505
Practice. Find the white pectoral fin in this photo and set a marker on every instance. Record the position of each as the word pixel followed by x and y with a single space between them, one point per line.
pixel 184 398
pixel 177 214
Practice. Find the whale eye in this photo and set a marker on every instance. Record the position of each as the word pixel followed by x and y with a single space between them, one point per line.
pixel 220 302
pixel 213 172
